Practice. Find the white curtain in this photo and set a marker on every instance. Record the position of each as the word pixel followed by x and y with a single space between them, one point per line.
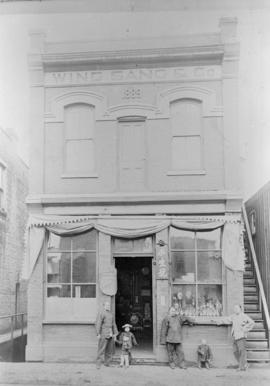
pixel 130 228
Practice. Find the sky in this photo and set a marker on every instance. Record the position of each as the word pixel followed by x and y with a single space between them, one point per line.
pixel 254 80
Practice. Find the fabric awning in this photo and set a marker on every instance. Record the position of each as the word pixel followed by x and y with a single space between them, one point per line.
pixel 133 227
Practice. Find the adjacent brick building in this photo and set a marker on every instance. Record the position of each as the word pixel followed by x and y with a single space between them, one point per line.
pixel 13 219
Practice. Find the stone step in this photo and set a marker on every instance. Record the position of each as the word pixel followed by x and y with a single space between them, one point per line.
pixel 258 354
pixel 251 307
pixel 255 315
pixel 249 280
pixel 248 266
pixel 248 274
pixel 250 289
pixel 257 334
pixel 257 343
pixel 259 325
pixel 251 298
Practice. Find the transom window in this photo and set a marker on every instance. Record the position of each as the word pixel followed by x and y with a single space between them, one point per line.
pixel 71 273
pixel 196 275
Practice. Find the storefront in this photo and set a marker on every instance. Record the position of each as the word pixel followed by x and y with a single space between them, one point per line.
pixel 142 265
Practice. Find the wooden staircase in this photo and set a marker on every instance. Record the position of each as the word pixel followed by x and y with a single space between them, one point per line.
pixel 258 350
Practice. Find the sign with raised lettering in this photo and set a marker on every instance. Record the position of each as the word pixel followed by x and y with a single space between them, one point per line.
pixel 141 75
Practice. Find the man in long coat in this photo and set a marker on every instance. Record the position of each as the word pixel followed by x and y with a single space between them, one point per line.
pixel 171 335
pixel 106 332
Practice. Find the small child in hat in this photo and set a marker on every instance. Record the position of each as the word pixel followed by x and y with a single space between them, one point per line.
pixel 127 340
pixel 205 355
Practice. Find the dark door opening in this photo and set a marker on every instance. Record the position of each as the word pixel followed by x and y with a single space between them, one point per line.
pixel 133 302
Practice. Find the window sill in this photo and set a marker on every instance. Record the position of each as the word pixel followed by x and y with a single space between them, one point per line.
pixel 68 322
pixel 208 320
pixel 186 172
pixel 81 175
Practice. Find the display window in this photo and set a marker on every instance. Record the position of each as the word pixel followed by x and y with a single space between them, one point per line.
pixel 197 272
pixel 70 276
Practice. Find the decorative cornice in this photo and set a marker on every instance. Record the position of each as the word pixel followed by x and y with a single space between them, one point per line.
pixel 209 54
pixel 143 197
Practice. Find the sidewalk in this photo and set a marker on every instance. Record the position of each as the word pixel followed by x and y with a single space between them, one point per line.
pixel 83 374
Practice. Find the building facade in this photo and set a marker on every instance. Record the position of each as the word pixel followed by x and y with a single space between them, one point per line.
pixel 13 219
pixel 134 190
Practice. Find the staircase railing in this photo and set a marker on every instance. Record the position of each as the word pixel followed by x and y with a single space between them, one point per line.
pixel 264 310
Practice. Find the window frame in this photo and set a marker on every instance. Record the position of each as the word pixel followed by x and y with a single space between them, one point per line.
pixel 90 302
pixel 196 283
pixel 90 174
pixel 198 171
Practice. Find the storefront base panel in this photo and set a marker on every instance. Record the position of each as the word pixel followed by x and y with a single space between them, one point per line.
pixel 78 343
pixel 34 353
pixel 218 338
pixel 223 354
pixel 72 353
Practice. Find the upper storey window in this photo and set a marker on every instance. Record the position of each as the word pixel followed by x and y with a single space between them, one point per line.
pixel 79 153
pixel 186 146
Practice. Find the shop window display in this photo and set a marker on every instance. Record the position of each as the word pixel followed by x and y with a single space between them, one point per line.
pixel 196 272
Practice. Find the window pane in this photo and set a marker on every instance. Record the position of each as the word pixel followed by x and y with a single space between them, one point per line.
pixel 209 240
pixel 79 121
pixel 123 245
pixel 84 267
pixel 86 241
pixel 79 156
pixel 137 245
pixel 84 291
pixel 57 242
pixel 186 116
pixel 58 267
pixel 59 291
pixel 209 266
pixel 210 300
pixel 143 244
pixel 186 153
pixel 183 266
pixel 184 298
pixel 182 239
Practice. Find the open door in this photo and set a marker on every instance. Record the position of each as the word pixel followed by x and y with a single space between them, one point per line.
pixel 134 298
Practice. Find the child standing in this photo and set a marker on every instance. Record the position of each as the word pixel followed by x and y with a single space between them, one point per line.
pixel 127 340
pixel 205 355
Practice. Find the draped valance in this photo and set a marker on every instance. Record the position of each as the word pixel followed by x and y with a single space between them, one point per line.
pixel 132 228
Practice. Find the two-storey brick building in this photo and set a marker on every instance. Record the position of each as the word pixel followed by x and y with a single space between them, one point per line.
pixel 134 190
pixel 13 219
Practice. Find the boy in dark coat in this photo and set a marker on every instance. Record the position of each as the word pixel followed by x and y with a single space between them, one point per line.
pixel 106 333
pixel 205 355
pixel 127 340
pixel 171 335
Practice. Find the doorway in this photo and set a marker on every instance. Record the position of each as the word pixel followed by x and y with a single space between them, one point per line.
pixel 133 301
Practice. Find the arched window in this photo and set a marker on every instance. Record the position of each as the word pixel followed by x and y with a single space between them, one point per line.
pixel 79 152
pixel 186 147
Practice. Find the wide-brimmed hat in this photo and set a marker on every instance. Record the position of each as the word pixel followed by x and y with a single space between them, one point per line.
pixel 127 325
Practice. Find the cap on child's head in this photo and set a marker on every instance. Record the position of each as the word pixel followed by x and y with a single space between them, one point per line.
pixel 127 325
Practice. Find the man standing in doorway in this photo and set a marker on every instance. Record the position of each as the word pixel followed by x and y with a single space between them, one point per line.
pixel 171 335
pixel 106 332
pixel 241 325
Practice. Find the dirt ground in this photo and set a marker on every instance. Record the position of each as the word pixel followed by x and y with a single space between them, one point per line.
pixel 65 374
